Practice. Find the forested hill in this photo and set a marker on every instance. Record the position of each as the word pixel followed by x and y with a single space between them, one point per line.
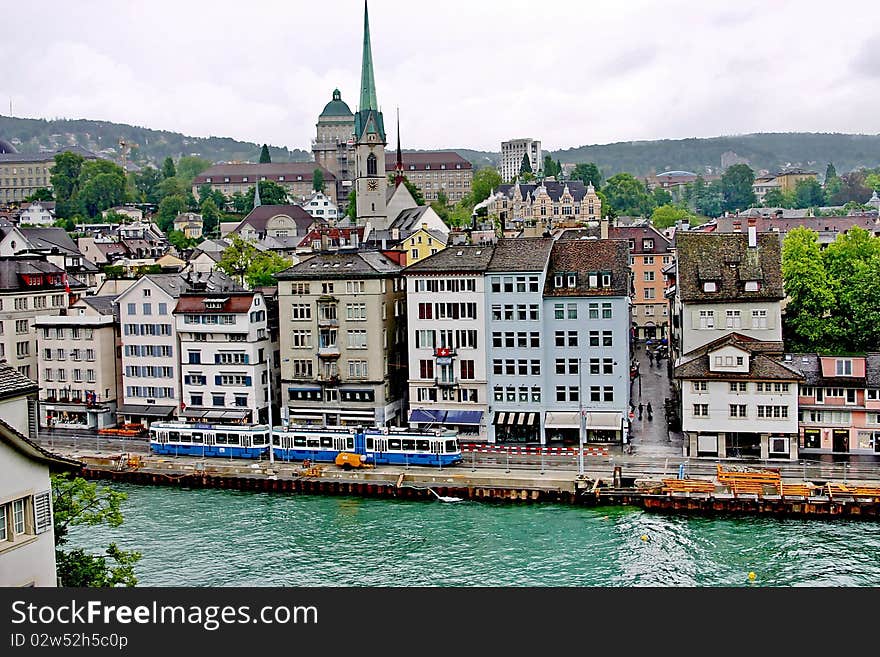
pixel 762 150
pixel 147 146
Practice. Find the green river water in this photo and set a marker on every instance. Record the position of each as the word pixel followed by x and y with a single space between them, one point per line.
pixel 231 538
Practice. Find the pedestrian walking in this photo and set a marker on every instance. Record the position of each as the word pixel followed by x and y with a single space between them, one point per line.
pixel 650 412
pixel 641 409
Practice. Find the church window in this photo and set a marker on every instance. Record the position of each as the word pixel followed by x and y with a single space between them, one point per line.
pixel 371 165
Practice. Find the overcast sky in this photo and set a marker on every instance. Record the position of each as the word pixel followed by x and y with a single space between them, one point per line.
pixel 465 73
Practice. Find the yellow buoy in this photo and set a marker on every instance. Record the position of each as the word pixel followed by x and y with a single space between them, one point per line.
pixel 644 537
pixel 752 576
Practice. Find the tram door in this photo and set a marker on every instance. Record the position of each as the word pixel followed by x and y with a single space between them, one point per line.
pixel 437 450
pixel 209 438
pixel 160 436
pixel 339 444
pixel 245 440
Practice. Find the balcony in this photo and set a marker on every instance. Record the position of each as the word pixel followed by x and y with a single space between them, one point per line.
pixel 328 380
pixel 331 351
pixel 326 322
pixel 445 383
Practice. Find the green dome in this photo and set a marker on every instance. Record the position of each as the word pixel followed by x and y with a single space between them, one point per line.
pixel 337 106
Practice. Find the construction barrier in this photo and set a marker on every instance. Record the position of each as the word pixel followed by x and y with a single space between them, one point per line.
pixel 553 451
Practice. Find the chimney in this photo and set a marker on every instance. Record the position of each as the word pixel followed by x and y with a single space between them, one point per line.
pixel 603 228
pixel 395 234
pixel 424 225
pixel 753 233
pixel 737 226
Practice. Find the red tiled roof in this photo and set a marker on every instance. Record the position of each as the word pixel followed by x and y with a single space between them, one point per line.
pixel 292 172
pixel 428 160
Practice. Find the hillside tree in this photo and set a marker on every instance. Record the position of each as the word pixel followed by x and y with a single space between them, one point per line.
pixel 265 158
pixel 736 188
pixel 318 180
pixel 168 168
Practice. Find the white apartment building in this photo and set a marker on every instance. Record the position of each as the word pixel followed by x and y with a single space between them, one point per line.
pixel 321 206
pixel 512 156
pixel 446 336
pixel 225 352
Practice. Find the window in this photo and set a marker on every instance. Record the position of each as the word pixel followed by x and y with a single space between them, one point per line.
pixel 558 311
pixel 707 319
pixel 301 311
pixel 572 280
pixel 357 339
pixel 647 244
pixel 18 524
pixel 710 286
pixel 594 338
pixel 593 311
pixel 606 310
pixel 608 393
pixel 773 412
pixel 163 308
pixel 607 366
pixel 132 309
pixel 607 339
pixel 738 386
pixel 844 367
pixel 572 339
pixel 148 308
pixel 560 393
pixel 595 393
pixel 357 369
pixel 356 312
pixel 733 319
pixel 572 311
pixel 649 275
pixel 559 338
pixel 21 326
pixel 701 410
pixel 737 410
pixel 466 368
pixel 650 293
pixel 759 319
pixel 700 386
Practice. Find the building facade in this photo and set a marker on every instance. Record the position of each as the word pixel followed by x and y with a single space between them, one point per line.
pixel 342 335
pixel 333 146
pixel 435 171
pixel 650 251
pixel 21 174
pixel 512 153
pixel 295 177
pixel 540 207
pixel 321 206
pixel 446 339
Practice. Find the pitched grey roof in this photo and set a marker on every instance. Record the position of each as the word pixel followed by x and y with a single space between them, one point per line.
pixel 409 220
pixel 761 366
pixel 368 264
pixel 521 254
pixel 576 188
pixel 259 217
pixel 46 157
pixel 103 304
pixel 175 284
pixel 12 269
pixel 15 384
pixel 470 258
pixel 47 238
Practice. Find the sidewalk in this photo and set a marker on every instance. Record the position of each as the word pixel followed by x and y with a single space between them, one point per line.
pixel 652 437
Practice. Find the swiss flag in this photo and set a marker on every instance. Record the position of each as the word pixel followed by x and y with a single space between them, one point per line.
pixel 66 283
pixel 442 351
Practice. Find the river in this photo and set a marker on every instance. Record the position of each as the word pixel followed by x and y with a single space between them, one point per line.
pixel 233 538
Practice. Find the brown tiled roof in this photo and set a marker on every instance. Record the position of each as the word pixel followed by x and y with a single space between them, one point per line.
pixel 469 258
pixel 584 256
pixel 662 244
pixel 195 303
pixel 810 366
pixel 260 216
pixel 271 170
pixel 521 254
pixel 727 260
pixel 15 384
pixel 427 161
pixel 760 367
pixel 739 340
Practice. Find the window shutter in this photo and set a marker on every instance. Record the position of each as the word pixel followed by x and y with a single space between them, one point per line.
pixel 247 359
pixel 247 380
pixel 42 512
pixel 216 359
pixel 218 380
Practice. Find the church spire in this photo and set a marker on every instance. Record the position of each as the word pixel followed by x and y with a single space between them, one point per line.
pixel 257 202
pixel 398 168
pixel 368 83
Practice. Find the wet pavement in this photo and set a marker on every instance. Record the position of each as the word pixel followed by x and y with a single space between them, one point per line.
pixel 652 437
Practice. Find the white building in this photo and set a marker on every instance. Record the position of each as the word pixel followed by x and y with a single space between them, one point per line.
pixel 321 206
pixel 27 539
pixel 225 351
pixel 739 400
pixel 512 156
pixel 446 336
pixel 38 213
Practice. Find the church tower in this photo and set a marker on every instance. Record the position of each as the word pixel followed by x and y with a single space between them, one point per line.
pixel 369 135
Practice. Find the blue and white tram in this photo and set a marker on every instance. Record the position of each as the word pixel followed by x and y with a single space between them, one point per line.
pixel 377 446
pixel 196 439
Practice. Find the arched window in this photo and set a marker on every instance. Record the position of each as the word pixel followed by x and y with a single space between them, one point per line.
pixel 371 165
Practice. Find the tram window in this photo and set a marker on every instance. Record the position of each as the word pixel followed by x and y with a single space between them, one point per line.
pixel 393 443
pixel 259 439
pixel 185 438
pixel 220 438
pixel 326 441
pixel 198 438
pixel 409 444
pixel 451 446
pixel 276 441
pixel 370 443
pixel 349 443
pixel 174 435
pixel 313 442
pixel 152 435
pixel 232 439
pixel 299 441
pixel 423 445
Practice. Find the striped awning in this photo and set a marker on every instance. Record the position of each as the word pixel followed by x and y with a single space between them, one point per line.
pixel 515 417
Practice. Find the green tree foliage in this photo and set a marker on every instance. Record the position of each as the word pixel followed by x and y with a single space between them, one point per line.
pixel 628 196
pixel 704 199
pixel 441 206
pixel 65 175
pixel 168 168
pixel 588 173
pixel 265 158
pixel 146 182
pixel 526 164
pixel 40 194
pixel 834 293
pixel 210 216
pixel 872 182
pixel 414 191
pixel 666 215
pixel 830 172
pixel 189 166
pixel 318 180
pixel 250 266
pixel 206 191
pixel 76 501
pixel 271 193
pixel 551 168
pixel 774 198
pixel 351 208
pixel 171 187
pixel 169 208
pixel 852 189
pixel 808 193
pixel 485 180
pixel 180 241
pixel 736 188
pixel 661 196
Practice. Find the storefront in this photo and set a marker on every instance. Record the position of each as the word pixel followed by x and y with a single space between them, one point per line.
pixel 516 427
pixel 598 427
pixel 466 423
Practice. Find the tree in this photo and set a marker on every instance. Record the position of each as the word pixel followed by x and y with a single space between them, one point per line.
pixel 189 166
pixel 414 191
pixel 485 180
pixel 169 208
pixel 171 187
pixel 146 183
pixel 628 196
pixel 588 173
pixel 852 188
pixel 245 263
pixel 104 191
pixel 180 241
pixel 206 191
pixel 40 194
pixel 808 193
pixel 317 179
pixel 830 172
pixel 351 208
pixel 805 321
pixel 265 158
pixel 526 164
pixel 271 193
pixel 666 215
pixel 441 206
pixel 168 170
pixel 661 196
pixel 550 167
pixel 76 501
pixel 736 188
pixel 872 181
pixel 65 175
pixel 774 198
pixel 210 216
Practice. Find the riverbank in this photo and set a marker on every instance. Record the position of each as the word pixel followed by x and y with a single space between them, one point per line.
pixel 733 491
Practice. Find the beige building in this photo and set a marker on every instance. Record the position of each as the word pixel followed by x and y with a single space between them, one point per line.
pixel 190 224
pixel 342 334
pixel 21 174
pixel 436 171
pixel 295 177
pixel 333 146
pixel 544 205
pixel 79 366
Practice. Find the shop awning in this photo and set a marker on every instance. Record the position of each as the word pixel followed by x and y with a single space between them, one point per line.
pixel 423 416
pixel 562 420
pixel 149 410
pixel 214 414
pixel 611 420
pixel 513 417
pixel 463 417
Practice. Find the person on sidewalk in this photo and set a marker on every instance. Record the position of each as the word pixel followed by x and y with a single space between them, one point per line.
pixel 641 409
pixel 650 412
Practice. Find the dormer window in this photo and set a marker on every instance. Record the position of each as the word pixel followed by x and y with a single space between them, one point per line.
pixel 593 279
pixel 244 179
pixel 752 286
pixel 648 244
pixel 557 280
pixel 208 179
pixel 606 279
pixel 572 280
pixel 844 367
pixel 632 245
pixel 710 286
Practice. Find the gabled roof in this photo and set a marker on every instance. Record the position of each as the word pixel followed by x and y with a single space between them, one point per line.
pixel 555 189
pixel 232 303
pixel 259 217
pixel 104 305
pixel 760 367
pixel 727 260
pixel 810 365
pixel 741 340
pixel 410 220
pixel 521 254
pixel 33 451
pixel 12 269
pixel 580 257
pixel 369 264
pixel 47 238
pixel 662 244
pixel 470 258
pixel 15 384
pixel 176 284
